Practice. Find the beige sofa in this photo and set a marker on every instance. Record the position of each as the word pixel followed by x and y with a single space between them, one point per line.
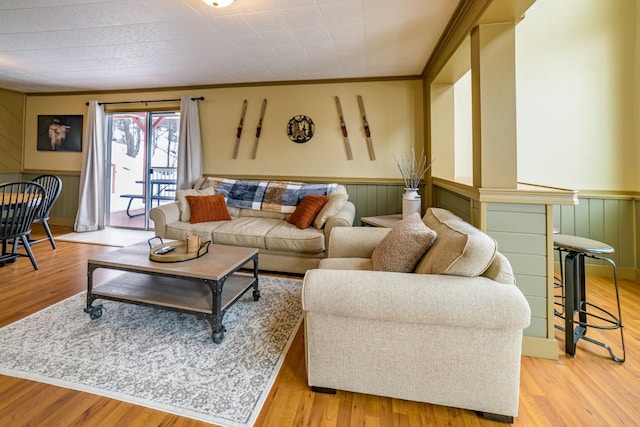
pixel 452 338
pixel 282 246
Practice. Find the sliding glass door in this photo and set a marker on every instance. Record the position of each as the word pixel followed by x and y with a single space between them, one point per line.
pixel 143 155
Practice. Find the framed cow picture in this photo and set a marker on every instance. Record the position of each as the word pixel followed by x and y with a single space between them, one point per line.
pixel 60 133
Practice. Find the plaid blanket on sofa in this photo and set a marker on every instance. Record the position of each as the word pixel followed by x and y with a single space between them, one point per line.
pixel 274 196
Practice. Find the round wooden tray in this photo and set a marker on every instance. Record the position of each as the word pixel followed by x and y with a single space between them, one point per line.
pixel 179 254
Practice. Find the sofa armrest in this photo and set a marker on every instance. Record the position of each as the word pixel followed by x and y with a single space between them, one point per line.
pixel 473 302
pixel 343 218
pixel 163 215
pixel 354 242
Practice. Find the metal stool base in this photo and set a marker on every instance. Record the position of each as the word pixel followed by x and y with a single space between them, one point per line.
pixel 589 315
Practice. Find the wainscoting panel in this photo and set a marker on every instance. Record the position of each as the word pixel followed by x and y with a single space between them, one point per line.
pixel 10 177
pixel 456 203
pixel 375 199
pixel 636 213
pixel 64 211
pixel 520 231
pixel 607 220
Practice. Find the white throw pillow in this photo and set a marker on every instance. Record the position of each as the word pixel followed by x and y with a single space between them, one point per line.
pixel 183 205
pixel 335 202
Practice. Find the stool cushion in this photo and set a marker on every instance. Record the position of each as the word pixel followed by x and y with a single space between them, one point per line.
pixel 460 249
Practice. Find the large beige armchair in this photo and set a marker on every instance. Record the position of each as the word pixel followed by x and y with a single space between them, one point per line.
pixel 444 339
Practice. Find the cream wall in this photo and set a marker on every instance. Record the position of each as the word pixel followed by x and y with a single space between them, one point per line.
pixel 394 112
pixel 11 112
pixel 577 94
pixel 463 129
pixel 636 104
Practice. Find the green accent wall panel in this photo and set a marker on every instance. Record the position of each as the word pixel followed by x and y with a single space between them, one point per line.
pixel 517 222
pixel 520 230
pixel 596 219
pixel 537 328
pixel 457 204
pixel 610 227
pixel 637 239
pixel 519 243
pixel 65 208
pixel 375 199
pixel 581 220
pixel 538 307
pixel 626 244
pixel 607 220
pixel 517 208
pixel 566 221
pixel 9 177
pixel 525 264
pixel 535 286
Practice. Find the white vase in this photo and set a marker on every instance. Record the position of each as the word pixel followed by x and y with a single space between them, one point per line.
pixel 411 202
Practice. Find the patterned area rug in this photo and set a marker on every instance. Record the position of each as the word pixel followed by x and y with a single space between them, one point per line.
pixel 110 236
pixel 161 359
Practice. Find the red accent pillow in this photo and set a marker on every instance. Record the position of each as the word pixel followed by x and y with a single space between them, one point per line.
pixel 208 208
pixel 307 210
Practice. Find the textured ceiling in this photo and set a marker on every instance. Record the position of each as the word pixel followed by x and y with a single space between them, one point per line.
pixel 84 45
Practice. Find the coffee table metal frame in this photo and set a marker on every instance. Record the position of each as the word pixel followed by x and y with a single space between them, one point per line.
pixel 173 290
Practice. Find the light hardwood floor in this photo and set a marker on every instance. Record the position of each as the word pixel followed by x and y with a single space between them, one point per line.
pixel 588 390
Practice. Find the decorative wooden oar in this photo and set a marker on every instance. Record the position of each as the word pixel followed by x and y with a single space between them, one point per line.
pixel 239 133
pixel 259 129
pixel 367 131
pixel 343 126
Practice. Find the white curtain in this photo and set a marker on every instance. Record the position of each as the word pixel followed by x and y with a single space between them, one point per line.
pixel 91 197
pixel 189 145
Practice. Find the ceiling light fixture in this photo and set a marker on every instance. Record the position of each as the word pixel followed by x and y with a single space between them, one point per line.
pixel 219 3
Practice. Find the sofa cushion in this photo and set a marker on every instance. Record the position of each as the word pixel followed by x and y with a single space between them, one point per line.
pixel 307 210
pixel 334 204
pixel 346 264
pixel 460 249
pixel 245 231
pixel 207 208
pixel 183 205
pixel 285 237
pixel 180 230
pixel 403 246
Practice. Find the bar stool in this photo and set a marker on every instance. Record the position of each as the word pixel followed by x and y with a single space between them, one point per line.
pixel 574 296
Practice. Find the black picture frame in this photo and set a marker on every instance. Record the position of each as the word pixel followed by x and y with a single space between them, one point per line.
pixel 60 133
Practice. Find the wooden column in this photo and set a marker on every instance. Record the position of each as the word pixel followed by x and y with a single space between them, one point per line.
pixel 494 106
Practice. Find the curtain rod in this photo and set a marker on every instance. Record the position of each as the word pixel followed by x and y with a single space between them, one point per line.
pixel 146 102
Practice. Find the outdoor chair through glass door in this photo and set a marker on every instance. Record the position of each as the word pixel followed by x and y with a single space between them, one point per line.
pixel 143 156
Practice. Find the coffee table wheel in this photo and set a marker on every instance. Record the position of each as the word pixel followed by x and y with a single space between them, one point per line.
pixel 219 336
pixel 256 295
pixel 94 312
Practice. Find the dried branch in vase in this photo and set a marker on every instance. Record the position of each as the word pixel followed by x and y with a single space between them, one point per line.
pixel 412 169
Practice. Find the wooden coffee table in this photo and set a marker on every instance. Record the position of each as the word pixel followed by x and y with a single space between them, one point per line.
pixel 205 286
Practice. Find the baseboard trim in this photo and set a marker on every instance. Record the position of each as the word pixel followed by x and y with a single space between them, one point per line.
pixel 544 348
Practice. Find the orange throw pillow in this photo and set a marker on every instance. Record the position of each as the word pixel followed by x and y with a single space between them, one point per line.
pixel 208 208
pixel 307 210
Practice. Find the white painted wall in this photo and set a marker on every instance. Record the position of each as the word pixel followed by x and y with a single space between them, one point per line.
pixel 577 94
